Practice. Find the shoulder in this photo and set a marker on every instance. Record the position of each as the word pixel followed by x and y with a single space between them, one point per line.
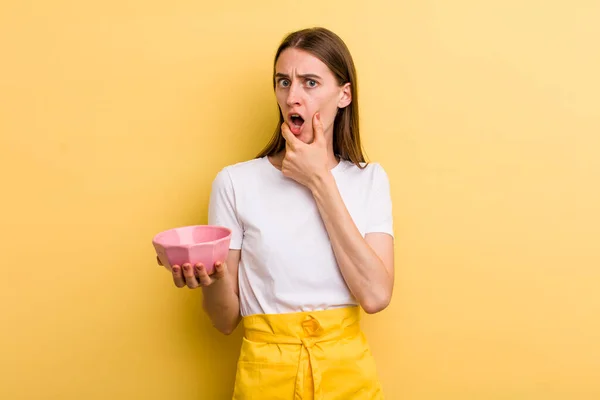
pixel 243 167
pixel 239 172
pixel 372 171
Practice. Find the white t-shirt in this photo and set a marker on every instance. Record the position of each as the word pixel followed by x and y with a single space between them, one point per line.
pixel 287 263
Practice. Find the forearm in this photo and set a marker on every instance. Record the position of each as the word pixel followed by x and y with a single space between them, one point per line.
pixel 222 305
pixel 363 270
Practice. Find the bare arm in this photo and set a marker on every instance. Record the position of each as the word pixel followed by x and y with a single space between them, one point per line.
pixel 221 299
pixel 367 264
pixel 220 290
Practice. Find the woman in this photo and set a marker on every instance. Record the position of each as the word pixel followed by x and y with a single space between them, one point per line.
pixel 312 238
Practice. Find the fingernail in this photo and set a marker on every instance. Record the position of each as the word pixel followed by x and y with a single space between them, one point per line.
pixel 175 269
pixel 186 268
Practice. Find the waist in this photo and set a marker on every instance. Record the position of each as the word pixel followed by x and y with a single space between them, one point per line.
pixel 298 327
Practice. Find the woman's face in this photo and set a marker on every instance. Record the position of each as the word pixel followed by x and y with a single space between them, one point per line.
pixel 304 85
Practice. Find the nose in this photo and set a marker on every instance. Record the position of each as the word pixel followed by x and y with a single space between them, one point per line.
pixel 293 96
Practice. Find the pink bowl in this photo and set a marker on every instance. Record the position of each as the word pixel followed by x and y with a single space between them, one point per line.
pixel 206 244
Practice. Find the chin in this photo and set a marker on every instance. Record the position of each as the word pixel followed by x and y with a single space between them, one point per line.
pixel 305 138
pixel 306 135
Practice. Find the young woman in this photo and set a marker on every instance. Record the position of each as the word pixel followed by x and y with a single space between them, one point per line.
pixel 312 238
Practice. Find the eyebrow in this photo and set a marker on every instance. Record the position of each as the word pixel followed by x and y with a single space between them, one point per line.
pixel 305 76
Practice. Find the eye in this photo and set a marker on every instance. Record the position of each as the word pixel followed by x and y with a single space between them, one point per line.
pixel 284 82
pixel 311 83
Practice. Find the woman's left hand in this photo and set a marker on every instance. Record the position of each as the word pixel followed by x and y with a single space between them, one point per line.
pixel 305 163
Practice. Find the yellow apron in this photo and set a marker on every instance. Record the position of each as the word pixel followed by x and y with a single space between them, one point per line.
pixel 320 355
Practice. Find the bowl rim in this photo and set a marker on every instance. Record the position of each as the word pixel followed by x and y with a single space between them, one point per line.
pixel 156 238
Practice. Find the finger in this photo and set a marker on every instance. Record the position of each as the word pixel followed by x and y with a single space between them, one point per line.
pixel 178 276
pixel 220 270
pixel 318 133
pixel 190 277
pixel 203 277
pixel 289 137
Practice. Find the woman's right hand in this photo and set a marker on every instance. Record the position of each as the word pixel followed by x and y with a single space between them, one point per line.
pixel 196 276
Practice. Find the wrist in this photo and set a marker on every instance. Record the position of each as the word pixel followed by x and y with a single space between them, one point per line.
pixel 321 182
pixel 221 285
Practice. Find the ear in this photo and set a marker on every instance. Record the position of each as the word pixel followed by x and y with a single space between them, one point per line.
pixel 345 96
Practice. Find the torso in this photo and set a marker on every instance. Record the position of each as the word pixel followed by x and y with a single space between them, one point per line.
pixel 287 262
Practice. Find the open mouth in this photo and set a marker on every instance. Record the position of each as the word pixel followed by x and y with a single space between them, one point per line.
pixel 296 123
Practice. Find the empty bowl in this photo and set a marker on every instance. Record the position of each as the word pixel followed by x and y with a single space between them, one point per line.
pixel 206 244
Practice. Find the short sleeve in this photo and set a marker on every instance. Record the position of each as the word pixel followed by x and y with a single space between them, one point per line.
pixel 222 208
pixel 380 203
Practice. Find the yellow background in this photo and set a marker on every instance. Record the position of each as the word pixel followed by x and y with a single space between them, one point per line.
pixel 115 117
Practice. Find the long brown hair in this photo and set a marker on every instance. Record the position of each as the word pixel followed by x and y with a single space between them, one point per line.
pixel 332 51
